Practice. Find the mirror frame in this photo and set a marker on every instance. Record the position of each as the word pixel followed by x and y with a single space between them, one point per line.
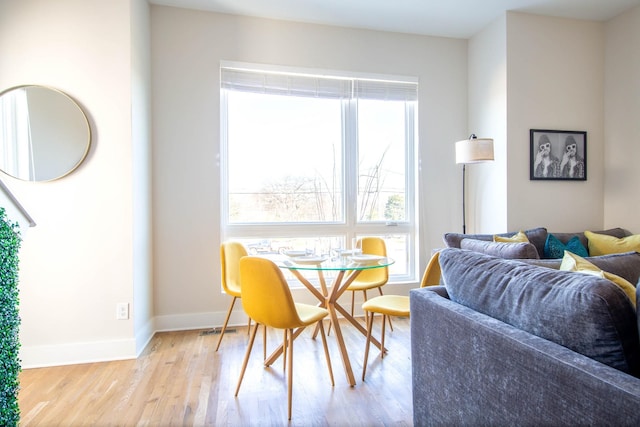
pixel 85 120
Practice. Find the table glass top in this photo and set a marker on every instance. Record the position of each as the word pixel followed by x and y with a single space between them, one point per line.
pixel 329 263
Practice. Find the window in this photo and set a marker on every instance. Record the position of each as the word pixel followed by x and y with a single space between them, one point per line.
pixel 311 161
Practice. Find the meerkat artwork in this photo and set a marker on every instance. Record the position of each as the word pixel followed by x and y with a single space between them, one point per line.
pixel 558 155
pixel 572 165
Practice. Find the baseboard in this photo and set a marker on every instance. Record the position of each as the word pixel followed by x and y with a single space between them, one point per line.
pixel 184 322
pixel 105 351
pixel 110 350
pixel 76 353
pixel 144 335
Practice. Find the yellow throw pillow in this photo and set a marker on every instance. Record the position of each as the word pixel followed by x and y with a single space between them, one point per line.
pixel 520 237
pixel 601 244
pixel 573 262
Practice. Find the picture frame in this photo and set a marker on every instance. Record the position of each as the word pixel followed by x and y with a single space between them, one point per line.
pixel 559 155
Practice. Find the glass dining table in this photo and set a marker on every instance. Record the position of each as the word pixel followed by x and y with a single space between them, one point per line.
pixel 345 270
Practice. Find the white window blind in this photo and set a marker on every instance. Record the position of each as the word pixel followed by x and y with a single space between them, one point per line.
pixel 385 90
pixel 308 85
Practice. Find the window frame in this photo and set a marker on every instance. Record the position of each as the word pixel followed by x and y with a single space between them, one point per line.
pixel 351 227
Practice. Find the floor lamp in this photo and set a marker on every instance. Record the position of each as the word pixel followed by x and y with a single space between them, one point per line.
pixel 472 150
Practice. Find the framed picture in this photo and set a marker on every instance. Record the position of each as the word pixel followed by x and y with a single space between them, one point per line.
pixel 558 155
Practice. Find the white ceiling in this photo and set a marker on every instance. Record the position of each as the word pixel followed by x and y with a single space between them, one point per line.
pixel 448 18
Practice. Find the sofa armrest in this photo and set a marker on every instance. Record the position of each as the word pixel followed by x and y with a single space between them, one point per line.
pixel 469 368
pixel 440 290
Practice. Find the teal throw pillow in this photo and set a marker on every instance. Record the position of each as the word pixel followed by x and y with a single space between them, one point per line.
pixel 554 248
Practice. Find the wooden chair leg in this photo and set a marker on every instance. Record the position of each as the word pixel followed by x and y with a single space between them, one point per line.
pixel 389 318
pixel 329 328
pixel 290 370
pixel 264 344
pixel 224 327
pixel 366 313
pixel 384 318
pixel 366 348
pixel 353 301
pixel 326 351
pixel 317 329
pixel 246 358
pixel 284 351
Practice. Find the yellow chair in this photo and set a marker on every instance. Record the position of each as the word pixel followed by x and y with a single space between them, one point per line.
pixel 432 273
pixel 267 300
pixel 395 305
pixel 230 254
pixel 373 278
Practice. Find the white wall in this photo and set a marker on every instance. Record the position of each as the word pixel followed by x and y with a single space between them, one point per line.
pixel 77 263
pixel 187 47
pixel 535 72
pixel 555 80
pixel 622 121
pixel 142 303
pixel 486 182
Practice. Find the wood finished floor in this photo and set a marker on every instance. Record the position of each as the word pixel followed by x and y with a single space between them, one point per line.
pixel 180 380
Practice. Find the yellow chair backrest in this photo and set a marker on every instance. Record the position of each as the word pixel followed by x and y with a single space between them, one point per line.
pixel 230 254
pixel 432 273
pixel 266 297
pixel 374 246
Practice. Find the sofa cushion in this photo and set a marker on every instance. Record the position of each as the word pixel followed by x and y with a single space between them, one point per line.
pixel 601 244
pixel 536 236
pixel 573 262
pixel 626 265
pixel 554 247
pixel 587 314
pixel 520 250
pixel 615 232
pixel 519 237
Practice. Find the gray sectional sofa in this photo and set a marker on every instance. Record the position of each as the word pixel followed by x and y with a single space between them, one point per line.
pixel 508 343
pixel 535 249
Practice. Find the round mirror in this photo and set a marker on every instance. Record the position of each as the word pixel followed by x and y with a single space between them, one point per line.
pixel 44 134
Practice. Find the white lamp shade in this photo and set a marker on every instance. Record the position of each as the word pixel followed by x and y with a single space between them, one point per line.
pixel 474 150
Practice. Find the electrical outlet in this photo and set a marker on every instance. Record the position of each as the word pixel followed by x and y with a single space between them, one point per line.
pixel 122 311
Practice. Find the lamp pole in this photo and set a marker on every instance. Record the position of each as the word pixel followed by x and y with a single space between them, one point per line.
pixel 464 215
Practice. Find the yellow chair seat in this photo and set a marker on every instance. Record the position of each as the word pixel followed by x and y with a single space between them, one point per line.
pixel 310 314
pixel 389 305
